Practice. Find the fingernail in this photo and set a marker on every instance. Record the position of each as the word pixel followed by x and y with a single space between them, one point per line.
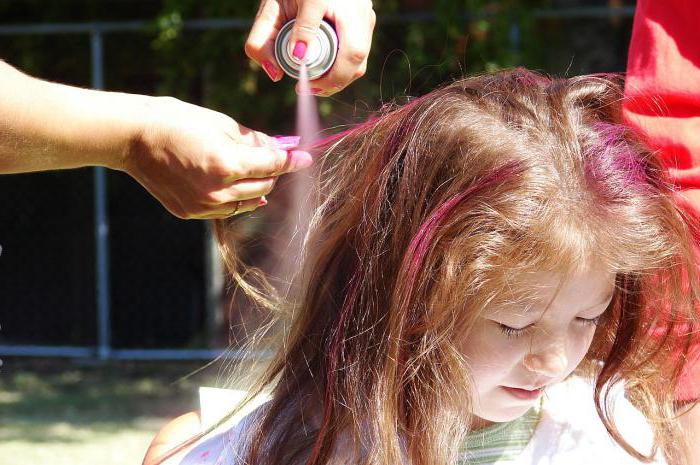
pixel 262 202
pixel 299 50
pixel 270 69
pixel 316 90
pixel 286 142
pixel 300 159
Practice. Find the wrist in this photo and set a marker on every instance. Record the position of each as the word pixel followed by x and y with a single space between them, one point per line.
pixel 145 134
pixel 124 126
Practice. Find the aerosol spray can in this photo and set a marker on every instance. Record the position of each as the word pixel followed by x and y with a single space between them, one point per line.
pixel 320 53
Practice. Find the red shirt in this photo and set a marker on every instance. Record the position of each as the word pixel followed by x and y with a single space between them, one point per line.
pixel 663 104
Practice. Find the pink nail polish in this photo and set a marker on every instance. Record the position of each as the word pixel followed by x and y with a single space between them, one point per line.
pixel 262 202
pixel 316 90
pixel 300 159
pixel 270 69
pixel 299 50
pixel 286 142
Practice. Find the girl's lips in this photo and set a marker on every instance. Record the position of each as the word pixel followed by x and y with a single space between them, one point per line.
pixel 523 394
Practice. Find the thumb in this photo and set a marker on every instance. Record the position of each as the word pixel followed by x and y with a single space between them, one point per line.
pixel 260 43
pixel 308 19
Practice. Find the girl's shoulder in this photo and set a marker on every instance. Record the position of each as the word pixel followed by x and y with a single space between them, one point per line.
pixel 225 444
pixel 173 433
pixel 218 446
pixel 570 431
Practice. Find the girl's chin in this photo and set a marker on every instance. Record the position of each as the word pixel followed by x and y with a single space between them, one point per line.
pixel 503 415
pixel 484 418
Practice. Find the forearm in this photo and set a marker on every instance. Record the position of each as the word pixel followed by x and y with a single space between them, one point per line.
pixel 49 126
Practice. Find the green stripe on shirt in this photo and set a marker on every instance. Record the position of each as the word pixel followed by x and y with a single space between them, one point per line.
pixel 500 442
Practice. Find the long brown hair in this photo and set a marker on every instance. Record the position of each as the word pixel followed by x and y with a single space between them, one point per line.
pixel 424 214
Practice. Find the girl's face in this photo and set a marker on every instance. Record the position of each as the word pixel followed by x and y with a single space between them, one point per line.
pixel 515 352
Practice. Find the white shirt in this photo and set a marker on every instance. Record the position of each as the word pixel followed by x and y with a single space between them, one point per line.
pixel 569 431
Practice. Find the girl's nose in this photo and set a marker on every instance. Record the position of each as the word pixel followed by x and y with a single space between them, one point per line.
pixel 551 363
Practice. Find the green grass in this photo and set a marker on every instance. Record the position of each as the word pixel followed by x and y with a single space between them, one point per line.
pixel 60 412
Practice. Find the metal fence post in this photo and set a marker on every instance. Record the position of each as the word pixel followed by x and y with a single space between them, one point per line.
pixel 214 282
pixel 514 36
pixel 101 220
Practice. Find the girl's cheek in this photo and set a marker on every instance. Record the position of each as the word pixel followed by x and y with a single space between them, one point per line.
pixel 582 343
pixel 503 351
pixel 488 349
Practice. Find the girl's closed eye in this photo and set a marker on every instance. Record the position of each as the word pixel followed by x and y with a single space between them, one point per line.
pixel 513 332
pixel 510 331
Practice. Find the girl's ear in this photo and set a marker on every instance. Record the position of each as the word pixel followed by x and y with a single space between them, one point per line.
pixel 171 435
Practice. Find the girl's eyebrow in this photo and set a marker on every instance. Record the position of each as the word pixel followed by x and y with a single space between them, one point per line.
pixel 601 303
pixel 532 304
pixel 546 304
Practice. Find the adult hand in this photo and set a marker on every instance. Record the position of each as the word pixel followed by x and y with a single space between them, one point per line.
pixel 353 21
pixel 197 162
pixel 201 164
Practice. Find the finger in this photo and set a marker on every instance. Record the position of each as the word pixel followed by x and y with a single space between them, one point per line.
pixel 305 29
pixel 243 189
pixel 252 137
pixel 240 133
pixel 263 162
pixel 355 40
pixel 260 45
pixel 234 208
pixel 285 142
pixel 244 206
pixel 248 205
pixel 260 139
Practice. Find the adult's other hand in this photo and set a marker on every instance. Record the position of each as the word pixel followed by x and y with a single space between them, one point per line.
pixel 201 164
pixel 198 163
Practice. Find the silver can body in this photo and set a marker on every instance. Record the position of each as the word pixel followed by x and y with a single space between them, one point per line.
pixel 320 54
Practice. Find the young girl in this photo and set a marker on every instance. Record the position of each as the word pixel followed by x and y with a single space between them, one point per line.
pixel 472 250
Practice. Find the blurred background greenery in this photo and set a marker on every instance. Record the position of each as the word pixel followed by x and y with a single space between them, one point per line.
pixel 62 411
